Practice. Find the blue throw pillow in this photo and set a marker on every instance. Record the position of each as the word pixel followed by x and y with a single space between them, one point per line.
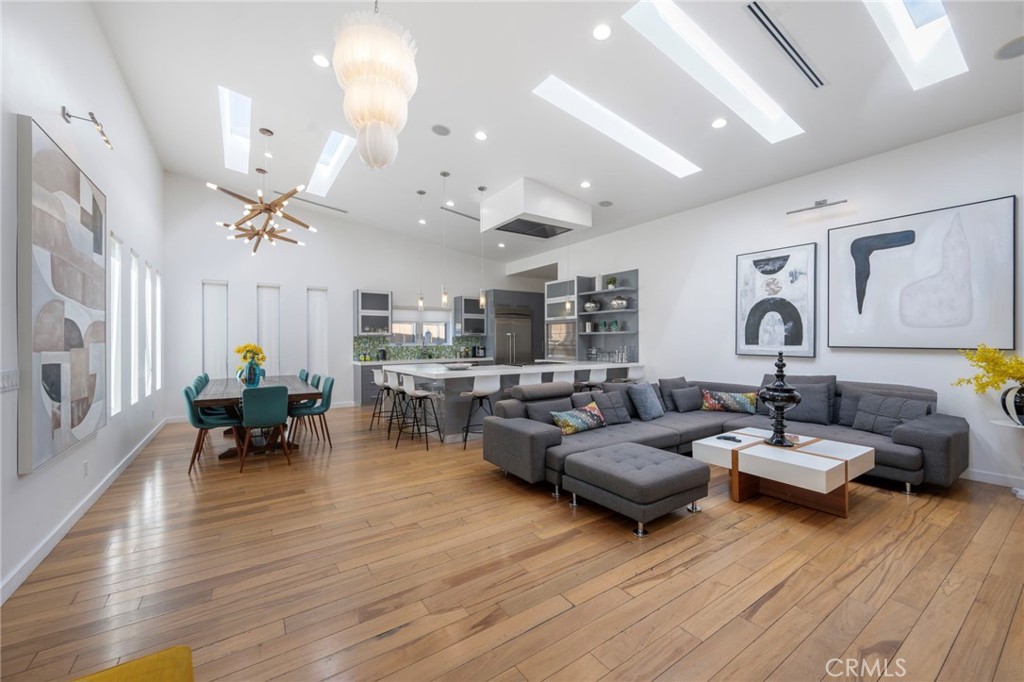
pixel 648 406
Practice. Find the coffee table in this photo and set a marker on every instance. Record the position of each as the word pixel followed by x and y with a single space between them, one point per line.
pixel 813 473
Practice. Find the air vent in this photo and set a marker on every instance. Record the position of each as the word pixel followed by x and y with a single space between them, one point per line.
pixel 787 47
pixel 533 229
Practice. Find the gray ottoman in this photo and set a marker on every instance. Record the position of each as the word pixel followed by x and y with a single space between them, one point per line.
pixel 637 481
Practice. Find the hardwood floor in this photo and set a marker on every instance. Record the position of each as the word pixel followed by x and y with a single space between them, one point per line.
pixel 367 562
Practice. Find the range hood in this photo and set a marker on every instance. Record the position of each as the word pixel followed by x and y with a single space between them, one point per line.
pixel 529 208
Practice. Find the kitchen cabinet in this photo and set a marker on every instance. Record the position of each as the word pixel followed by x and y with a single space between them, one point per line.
pixel 469 317
pixel 372 311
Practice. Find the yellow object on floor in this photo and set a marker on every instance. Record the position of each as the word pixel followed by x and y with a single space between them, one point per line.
pixel 169 665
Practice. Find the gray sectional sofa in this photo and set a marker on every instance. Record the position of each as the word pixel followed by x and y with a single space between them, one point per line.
pixel 923 446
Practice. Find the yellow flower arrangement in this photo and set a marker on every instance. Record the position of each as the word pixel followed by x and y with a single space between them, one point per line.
pixel 996 367
pixel 250 351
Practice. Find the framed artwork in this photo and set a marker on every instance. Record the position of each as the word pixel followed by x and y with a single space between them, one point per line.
pixel 775 301
pixel 937 279
pixel 62 300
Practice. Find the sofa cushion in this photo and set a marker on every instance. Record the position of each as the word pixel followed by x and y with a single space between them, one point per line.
pixel 579 419
pixel 646 401
pixel 849 393
pixel 729 402
pixel 798 380
pixel 645 433
pixel 552 389
pixel 881 415
pixel 815 406
pixel 666 386
pixel 848 407
pixel 687 399
pixel 540 410
pixel 695 425
pixel 637 473
pixel 623 390
pixel 610 404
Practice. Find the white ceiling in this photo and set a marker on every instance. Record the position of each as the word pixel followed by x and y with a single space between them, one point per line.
pixel 478 63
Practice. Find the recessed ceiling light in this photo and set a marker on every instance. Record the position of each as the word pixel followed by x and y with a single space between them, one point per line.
pixel 575 103
pixel 422 221
pixel 480 135
pixel 719 123
pixel 321 61
pixel 268 155
pixel 1012 49
pixel 585 184
pixel 605 204
pixel 602 31
pixel 235 128
pixel 449 203
pixel 441 130
pixel 501 245
pixel 680 39
pixel 334 155
pixel 921 39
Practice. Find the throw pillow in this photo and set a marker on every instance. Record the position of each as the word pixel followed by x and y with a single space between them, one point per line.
pixel 813 407
pixel 622 389
pixel 613 407
pixel 540 410
pixel 644 397
pixel 881 415
pixel 688 399
pixel 581 419
pixel 848 403
pixel 666 386
pixel 718 401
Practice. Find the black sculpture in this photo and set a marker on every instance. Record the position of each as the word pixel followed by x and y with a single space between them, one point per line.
pixel 780 397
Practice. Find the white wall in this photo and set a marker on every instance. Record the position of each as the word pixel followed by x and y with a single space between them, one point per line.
pixel 687 272
pixel 56 55
pixel 341 256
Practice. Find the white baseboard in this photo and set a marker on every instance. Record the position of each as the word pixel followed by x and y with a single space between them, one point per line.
pixel 994 478
pixel 13 581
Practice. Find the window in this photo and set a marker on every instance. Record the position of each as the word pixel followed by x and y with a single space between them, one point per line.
pixel 435 332
pixel 114 327
pixel 411 326
pixel 158 334
pixel 147 335
pixel 316 331
pixel 268 325
pixel 133 305
pixel 215 329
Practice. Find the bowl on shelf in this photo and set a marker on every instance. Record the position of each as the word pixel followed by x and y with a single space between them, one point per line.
pixel 619 303
pixel 591 306
pixel 459 365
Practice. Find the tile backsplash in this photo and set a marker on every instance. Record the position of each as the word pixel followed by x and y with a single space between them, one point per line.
pixel 370 345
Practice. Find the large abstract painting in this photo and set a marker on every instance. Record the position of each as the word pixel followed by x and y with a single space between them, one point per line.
pixel 62 296
pixel 937 279
pixel 775 301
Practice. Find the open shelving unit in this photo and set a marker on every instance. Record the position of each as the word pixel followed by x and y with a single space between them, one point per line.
pixel 605 339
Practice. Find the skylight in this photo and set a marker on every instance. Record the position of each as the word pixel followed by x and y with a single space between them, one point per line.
pixel 921 39
pixel 576 104
pixel 334 155
pixel 670 30
pixel 235 127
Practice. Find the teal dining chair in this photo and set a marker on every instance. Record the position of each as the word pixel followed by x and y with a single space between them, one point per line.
pixel 303 374
pixel 264 408
pixel 198 385
pixel 203 423
pixel 317 413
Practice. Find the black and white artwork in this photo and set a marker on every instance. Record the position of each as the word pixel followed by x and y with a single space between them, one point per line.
pixel 775 301
pixel 937 279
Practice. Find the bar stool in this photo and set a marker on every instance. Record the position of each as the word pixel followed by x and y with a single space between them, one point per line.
pixel 383 394
pixel 416 405
pixel 597 377
pixel 530 378
pixel 397 412
pixel 483 387
pixel 565 375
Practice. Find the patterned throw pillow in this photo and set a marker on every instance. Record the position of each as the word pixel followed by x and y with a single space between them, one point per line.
pixel 730 402
pixel 581 419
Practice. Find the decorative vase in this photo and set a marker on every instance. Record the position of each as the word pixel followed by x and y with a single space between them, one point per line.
pixel 780 397
pixel 591 306
pixel 618 303
pixel 250 374
pixel 1012 401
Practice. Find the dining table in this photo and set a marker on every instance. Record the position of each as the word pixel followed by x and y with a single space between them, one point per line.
pixel 228 393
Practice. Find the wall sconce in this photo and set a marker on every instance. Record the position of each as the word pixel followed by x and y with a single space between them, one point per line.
pixel 820 203
pixel 91 119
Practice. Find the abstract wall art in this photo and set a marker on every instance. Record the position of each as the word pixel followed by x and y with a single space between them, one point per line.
pixel 944 278
pixel 775 306
pixel 62 295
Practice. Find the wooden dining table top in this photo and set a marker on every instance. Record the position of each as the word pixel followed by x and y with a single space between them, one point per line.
pixel 220 392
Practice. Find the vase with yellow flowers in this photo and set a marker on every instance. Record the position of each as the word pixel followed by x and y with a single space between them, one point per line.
pixel 998 368
pixel 251 371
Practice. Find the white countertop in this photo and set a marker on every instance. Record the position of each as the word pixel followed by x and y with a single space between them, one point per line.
pixel 439 371
pixel 410 361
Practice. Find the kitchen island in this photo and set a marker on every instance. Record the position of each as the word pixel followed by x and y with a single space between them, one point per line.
pixel 449 383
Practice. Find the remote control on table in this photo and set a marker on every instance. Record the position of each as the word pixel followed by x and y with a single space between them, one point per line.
pixel 734 439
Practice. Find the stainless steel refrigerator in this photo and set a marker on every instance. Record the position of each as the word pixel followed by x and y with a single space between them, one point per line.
pixel 513 326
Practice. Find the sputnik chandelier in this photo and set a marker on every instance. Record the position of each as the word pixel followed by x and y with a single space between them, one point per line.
pixel 375 62
pixel 259 209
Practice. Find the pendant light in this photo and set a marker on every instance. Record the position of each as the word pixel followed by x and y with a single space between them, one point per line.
pixel 483 296
pixel 444 251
